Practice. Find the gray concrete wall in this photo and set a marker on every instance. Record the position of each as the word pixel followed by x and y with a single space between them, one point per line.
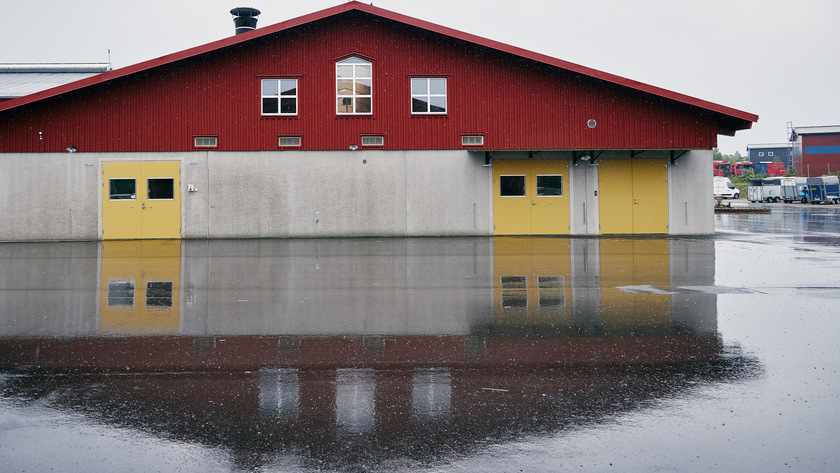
pixel 49 196
pixel 57 196
pixel 691 195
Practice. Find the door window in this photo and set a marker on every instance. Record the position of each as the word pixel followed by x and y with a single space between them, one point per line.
pixel 550 185
pixel 161 188
pixel 122 189
pixel 512 186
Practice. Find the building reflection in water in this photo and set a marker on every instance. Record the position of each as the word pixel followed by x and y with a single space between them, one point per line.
pixel 355 351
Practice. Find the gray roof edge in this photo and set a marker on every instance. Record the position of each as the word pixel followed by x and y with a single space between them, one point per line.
pixel 55 67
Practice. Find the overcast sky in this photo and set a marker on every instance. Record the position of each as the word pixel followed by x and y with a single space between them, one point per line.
pixel 777 59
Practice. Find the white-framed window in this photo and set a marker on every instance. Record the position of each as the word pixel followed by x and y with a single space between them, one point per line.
pixel 769 153
pixel 206 142
pixel 512 186
pixel 279 97
pixel 761 153
pixel 288 141
pixel 354 86
pixel 549 185
pixel 373 140
pixel 428 95
pixel 472 140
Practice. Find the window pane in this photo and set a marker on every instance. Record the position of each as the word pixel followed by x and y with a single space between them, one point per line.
pixel 345 105
pixel 363 87
pixel 363 105
pixel 512 186
pixel 161 188
pixel 363 71
pixel 288 105
pixel 121 189
pixel 419 105
pixel 345 87
pixel 437 86
pixel 269 87
pixel 549 185
pixel 270 105
pixel 552 293
pixel 288 87
pixel 344 71
pixel 438 104
pixel 419 86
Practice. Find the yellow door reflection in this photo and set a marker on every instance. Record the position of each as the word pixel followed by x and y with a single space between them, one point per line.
pixel 140 286
pixel 635 284
pixel 531 280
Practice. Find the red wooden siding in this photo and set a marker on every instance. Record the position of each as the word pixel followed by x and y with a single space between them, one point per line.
pixel 515 102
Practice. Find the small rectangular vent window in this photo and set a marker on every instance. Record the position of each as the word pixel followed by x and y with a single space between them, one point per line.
pixel 373 140
pixel 206 142
pixel 472 140
pixel 288 141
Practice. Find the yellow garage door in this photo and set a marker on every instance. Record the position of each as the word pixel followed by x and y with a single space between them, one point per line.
pixel 141 200
pixel 530 197
pixel 633 196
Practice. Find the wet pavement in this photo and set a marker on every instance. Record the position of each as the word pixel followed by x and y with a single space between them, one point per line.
pixel 461 354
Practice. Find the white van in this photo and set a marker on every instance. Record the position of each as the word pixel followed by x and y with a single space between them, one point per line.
pixel 725 189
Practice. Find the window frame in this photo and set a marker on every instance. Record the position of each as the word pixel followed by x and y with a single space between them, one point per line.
pixel 467 137
pixel 149 187
pixel 356 63
pixel 279 97
pixel 111 193
pixel 537 181
pixel 524 185
pixel 292 137
pixel 196 144
pixel 379 144
pixel 428 95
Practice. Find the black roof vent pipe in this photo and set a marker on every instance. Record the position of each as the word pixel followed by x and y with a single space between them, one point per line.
pixel 245 19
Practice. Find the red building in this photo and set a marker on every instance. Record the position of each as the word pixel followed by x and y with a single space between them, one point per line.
pixel 816 150
pixel 359 78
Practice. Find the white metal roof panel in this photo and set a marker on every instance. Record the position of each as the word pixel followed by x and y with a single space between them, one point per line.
pixel 19 80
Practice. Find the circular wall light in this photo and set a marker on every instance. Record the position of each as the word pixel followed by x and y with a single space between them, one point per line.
pixel 591 123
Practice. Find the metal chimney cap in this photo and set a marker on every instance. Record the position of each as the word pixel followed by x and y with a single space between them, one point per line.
pixel 245 11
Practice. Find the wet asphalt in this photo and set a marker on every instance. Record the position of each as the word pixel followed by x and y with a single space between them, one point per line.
pixel 468 354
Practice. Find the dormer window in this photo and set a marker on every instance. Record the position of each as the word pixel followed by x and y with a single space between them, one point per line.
pixel 354 86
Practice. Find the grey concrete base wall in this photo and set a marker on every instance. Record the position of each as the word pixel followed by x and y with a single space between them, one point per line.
pixel 288 194
pixel 691 194
pixel 49 197
pixel 329 194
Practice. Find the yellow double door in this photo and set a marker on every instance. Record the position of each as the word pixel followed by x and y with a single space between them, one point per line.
pixel 633 196
pixel 531 197
pixel 141 200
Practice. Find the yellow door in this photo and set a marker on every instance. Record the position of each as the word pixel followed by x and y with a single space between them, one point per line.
pixel 141 200
pixel 650 196
pixel 140 286
pixel 530 197
pixel 633 196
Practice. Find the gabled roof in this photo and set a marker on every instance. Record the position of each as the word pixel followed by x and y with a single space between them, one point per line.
pixel 731 121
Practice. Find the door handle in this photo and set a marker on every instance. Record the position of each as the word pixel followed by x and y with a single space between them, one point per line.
pixel 144 205
pixel 532 202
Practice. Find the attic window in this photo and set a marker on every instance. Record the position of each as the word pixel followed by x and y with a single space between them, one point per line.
pixel 279 96
pixel 288 141
pixel 428 95
pixel 354 86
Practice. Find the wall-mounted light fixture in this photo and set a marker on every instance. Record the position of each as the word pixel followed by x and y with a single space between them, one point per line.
pixel 353 147
pixel 40 135
pixel 71 149
pixel 591 123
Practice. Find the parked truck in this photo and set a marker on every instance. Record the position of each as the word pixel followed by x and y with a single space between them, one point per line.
pixel 824 189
